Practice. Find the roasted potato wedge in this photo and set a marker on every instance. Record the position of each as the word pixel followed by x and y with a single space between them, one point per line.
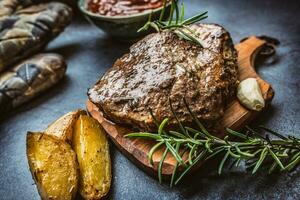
pixel 62 128
pixel 53 166
pixel 92 149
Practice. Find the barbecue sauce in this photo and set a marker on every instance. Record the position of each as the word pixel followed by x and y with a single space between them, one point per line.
pixel 122 7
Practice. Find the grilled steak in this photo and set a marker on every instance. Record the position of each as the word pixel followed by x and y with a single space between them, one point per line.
pixel 161 67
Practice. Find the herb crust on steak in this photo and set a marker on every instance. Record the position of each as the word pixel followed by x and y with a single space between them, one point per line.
pixel 161 67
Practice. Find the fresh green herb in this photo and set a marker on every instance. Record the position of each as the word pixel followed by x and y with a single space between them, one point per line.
pixel 179 25
pixel 200 146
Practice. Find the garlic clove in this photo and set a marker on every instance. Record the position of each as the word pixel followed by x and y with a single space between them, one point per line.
pixel 249 94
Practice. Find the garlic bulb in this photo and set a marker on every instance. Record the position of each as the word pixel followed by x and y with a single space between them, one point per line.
pixel 249 94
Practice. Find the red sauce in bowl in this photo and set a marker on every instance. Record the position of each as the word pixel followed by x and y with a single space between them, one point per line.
pixel 122 7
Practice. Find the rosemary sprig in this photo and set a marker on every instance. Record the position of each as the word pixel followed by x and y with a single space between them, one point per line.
pixel 200 146
pixel 177 24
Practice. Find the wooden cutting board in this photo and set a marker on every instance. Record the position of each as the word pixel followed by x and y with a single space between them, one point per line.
pixel 235 117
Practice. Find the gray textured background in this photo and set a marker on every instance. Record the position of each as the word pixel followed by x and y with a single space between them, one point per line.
pixel 90 53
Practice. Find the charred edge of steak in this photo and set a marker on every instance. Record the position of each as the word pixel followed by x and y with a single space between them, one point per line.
pixel 162 66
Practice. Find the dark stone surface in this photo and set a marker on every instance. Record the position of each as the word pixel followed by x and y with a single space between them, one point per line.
pixel 90 53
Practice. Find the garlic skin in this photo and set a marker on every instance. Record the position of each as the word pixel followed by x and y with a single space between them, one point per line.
pixel 249 94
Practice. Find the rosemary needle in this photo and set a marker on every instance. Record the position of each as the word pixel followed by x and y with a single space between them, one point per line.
pixel 200 146
pixel 179 25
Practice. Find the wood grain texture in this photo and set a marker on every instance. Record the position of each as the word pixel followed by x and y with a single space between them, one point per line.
pixel 235 117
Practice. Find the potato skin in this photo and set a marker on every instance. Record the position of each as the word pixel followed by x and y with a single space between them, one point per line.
pixel 63 127
pixel 92 149
pixel 53 166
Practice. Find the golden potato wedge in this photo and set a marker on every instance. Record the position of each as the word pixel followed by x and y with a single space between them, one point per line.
pixel 92 149
pixel 53 166
pixel 62 128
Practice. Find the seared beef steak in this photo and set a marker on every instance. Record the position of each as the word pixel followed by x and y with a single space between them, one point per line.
pixel 163 66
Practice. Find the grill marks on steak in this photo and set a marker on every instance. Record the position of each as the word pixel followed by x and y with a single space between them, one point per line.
pixel 162 66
